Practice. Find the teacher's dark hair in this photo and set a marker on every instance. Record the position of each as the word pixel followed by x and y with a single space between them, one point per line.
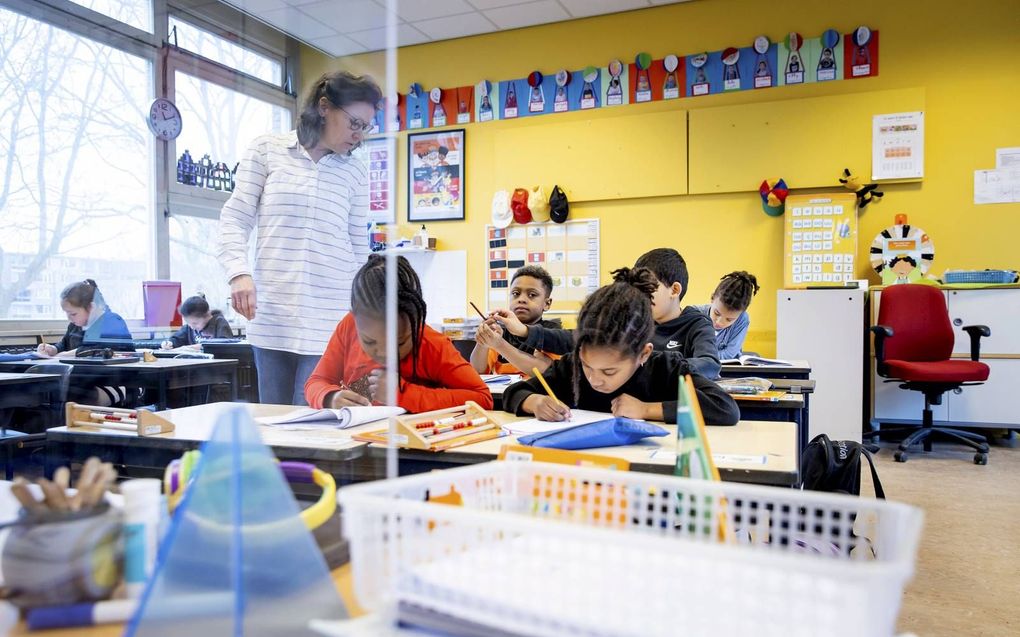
pixel 340 88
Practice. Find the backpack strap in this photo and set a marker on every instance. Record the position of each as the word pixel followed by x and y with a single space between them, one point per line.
pixel 879 491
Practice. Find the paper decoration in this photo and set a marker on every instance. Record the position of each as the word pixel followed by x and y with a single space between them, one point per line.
pixel 616 87
pixel 561 101
pixel 590 88
pixel 828 57
pixel 698 69
pixel 536 96
pixel 671 82
pixel 731 69
pixel 860 49
pixel 639 70
pixel 465 97
pixel 486 97
pixel 902 253
pixel 417 107
pixel 765 57
pixel 791 65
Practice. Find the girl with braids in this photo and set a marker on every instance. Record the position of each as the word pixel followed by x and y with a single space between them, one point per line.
pixel 614 367
pixel 306 199
pixel 728 311
pixel 433 374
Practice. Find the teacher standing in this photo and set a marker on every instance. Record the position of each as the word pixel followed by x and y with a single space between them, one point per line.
pixel 307 199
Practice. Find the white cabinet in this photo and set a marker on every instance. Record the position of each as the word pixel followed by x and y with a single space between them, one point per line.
pixel 826 328
pixel 992 404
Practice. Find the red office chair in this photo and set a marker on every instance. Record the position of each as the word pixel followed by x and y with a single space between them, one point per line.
pixel 913 343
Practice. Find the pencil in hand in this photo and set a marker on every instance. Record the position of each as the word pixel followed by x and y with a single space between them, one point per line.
pixel 480 313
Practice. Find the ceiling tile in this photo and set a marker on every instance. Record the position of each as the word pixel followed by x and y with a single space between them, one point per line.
pixel 455 26
pixel 256 7
pixel 415 10
pixel 375 39
pixel 526 15
pixel 490 4
pixel 584 8
pixel 346 16
pixel 339 45
pixel 298 24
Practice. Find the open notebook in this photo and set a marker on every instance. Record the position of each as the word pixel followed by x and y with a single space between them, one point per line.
pixel 341 418
pixel 747 359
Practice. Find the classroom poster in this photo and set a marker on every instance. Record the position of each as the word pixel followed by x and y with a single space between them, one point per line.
pixel 568 251
pixel 897 146
pixel 378 156
pixel 436 176
pixel 820 240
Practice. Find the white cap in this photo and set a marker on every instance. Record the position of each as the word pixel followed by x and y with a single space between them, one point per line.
pixel 501 215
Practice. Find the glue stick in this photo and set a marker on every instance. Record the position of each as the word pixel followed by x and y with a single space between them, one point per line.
pixel 141 524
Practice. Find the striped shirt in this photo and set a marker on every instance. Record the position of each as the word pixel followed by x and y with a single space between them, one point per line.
pixel 311 238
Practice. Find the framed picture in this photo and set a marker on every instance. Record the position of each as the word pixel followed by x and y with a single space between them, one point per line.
pixel 378 154
pixel 435 176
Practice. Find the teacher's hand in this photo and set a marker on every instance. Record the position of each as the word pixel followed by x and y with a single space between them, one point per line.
pixel 242 295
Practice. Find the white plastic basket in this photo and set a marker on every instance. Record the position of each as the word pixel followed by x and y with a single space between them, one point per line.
pixel 545 549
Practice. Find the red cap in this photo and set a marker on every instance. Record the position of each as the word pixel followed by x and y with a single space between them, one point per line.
pixel 519 206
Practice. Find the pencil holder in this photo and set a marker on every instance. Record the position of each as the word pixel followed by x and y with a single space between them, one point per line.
pixel 62 557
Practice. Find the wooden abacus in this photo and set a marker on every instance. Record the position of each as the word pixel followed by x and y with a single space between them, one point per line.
pixel 141 422
pixel 440 429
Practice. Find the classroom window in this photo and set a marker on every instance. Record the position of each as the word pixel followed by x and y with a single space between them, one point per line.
pixel 136 13
pixel 79 200
pixel 222 122
pixel 221 50
pixel 193 261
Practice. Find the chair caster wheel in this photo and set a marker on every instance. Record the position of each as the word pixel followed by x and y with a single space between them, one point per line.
pixel 899 456
pixel 980 458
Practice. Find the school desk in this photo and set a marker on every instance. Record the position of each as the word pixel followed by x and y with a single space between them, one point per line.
pixel 28 390
pixel 760 452
pixel 161 375
pixel 247 376
pixel 799 369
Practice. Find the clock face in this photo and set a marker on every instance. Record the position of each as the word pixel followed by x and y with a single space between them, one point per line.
pixel 164 119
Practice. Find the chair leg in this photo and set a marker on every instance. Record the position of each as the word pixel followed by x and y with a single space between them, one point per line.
pixel 965 434
pixel 977 445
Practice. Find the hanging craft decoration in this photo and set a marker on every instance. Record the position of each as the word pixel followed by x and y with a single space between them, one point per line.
pixel 902 253
pixel 614 90
pixel 827 69
pixel 793 71
pixel 483 95
pixel 438 111
pixel 589 93
pixel 415 96
pixel 465 99
pixel 670 86
pixel 861 48
pixel 699 85
pixel 762 68
pixel 560 102
pixel 510 102
pixel 536 101
pixel 643 92
pixel 731 71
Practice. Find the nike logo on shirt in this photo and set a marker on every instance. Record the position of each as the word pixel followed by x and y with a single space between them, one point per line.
pixel 672 345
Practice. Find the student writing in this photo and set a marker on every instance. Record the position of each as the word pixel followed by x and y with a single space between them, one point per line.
pixel 90 319
pixel 728 312
pixel 200 323
pixel 432 373
pixel 498 348
pixel 679 329
pixel 614 367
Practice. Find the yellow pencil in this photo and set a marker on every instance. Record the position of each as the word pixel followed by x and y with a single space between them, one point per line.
pixel 548 389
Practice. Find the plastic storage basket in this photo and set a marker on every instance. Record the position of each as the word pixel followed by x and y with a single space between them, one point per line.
pixel 544 549
pixel 979 276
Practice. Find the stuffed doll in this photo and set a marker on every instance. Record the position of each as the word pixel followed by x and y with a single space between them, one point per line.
pixel 865 193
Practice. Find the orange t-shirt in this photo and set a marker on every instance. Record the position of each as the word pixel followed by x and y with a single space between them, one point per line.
pixel 496 366
pixel 443 378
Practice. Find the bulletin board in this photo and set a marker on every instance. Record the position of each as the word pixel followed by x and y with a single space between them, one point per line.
pixel 568 251
pixel 820 240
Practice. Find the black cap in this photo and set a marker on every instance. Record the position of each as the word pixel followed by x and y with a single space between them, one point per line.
pixel 559 207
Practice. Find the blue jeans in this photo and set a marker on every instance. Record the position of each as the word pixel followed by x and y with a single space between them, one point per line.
pixel 282 375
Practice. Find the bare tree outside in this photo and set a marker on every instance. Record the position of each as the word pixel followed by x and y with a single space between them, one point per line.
pixel 75 167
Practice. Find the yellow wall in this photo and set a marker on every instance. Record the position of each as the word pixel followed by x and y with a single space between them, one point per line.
pixel 964 58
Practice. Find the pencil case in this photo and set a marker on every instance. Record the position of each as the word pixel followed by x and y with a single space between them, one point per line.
pixel 612 432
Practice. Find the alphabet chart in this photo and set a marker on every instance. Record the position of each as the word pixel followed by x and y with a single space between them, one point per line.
pixel 820 244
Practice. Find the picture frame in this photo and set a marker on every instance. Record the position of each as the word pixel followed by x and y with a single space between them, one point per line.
pixel 379 155
pixel 435 176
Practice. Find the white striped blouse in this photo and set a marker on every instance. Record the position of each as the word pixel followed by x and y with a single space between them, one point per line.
pixel 311 237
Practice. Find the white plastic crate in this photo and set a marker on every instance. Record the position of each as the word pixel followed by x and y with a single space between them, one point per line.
pixel 544 549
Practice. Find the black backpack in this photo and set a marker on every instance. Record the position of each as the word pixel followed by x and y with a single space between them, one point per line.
pixel 835 466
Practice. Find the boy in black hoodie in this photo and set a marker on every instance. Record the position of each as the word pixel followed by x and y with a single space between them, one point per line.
pixel 679 329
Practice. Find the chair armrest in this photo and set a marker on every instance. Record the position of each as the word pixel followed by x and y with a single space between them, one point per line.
pixel 976 332
pixel 881 333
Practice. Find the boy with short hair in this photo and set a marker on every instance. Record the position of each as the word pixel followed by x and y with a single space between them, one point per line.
pixel 679 329
pixel 502 345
